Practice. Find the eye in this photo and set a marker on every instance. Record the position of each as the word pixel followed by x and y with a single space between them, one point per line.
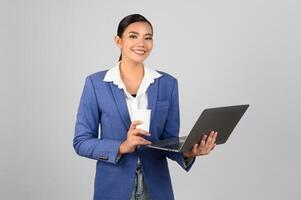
pixel 133 36
pixel 149 38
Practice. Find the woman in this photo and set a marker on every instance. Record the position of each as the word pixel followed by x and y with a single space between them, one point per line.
pixel 126 169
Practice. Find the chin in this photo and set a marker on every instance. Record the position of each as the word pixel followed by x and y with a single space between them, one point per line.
pixel 138 60
pixel 135 58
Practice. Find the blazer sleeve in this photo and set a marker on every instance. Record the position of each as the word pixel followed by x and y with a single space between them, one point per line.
pixel 86 142
pixel 172 128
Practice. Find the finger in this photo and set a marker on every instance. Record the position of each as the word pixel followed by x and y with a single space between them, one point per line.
pixel 203 141
pixel 140 132
pixel 135 123
pixel 215 135
pixel 143 141
pixel 214 138
pixel 210 138
pixel 195 149
pixel 136 141
pixel 201 148
pixel 212 133
pixel 137 138
pixel 143 132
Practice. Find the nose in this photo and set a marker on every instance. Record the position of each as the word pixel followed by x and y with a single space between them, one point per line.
pixel 141 42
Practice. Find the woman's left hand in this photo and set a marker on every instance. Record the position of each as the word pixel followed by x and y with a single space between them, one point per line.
pixel 204 147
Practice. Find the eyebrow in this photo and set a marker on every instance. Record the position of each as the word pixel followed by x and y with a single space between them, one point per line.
pixel 138 33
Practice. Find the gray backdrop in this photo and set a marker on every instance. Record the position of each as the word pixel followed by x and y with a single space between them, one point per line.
pixel 222 52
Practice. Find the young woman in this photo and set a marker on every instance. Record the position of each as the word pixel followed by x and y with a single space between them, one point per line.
pixel 126 169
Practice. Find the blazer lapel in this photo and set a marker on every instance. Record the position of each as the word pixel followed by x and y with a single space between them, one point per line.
pixel 152 95
pixel 121 104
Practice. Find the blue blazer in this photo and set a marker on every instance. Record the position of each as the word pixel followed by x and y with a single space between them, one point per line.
pixel 103 103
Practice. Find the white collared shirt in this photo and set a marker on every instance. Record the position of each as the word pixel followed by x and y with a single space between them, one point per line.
pixel 140 101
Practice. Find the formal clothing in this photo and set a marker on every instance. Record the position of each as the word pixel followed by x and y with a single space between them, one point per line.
pixel 140 101
pixel 106 102
pixel 135 102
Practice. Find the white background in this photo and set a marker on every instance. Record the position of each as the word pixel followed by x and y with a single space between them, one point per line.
pixel 222 53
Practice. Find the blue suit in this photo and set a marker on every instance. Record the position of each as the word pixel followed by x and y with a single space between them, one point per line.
pixel 104 103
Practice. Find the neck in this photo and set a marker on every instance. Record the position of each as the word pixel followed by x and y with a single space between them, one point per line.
pixel 131 70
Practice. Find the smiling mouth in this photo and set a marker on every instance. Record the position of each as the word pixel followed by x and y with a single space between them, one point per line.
pixel 139 52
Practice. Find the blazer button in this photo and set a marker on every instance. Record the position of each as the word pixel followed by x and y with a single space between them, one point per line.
pixel 103 158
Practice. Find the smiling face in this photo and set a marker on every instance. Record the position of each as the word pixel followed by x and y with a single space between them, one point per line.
pixel 136 42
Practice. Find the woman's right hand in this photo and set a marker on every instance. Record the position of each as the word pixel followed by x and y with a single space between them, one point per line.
pixel 135 137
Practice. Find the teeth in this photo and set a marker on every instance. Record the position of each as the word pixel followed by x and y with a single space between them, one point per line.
pixel 140 52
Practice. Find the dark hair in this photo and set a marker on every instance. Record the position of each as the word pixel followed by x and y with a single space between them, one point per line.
pixel 126 21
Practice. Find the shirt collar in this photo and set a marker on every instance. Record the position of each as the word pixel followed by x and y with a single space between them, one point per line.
pixel 149 77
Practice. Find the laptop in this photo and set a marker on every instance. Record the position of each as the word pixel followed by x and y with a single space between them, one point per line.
pixel 220 119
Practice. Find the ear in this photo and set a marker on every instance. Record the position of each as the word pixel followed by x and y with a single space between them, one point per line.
pixel 118 41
